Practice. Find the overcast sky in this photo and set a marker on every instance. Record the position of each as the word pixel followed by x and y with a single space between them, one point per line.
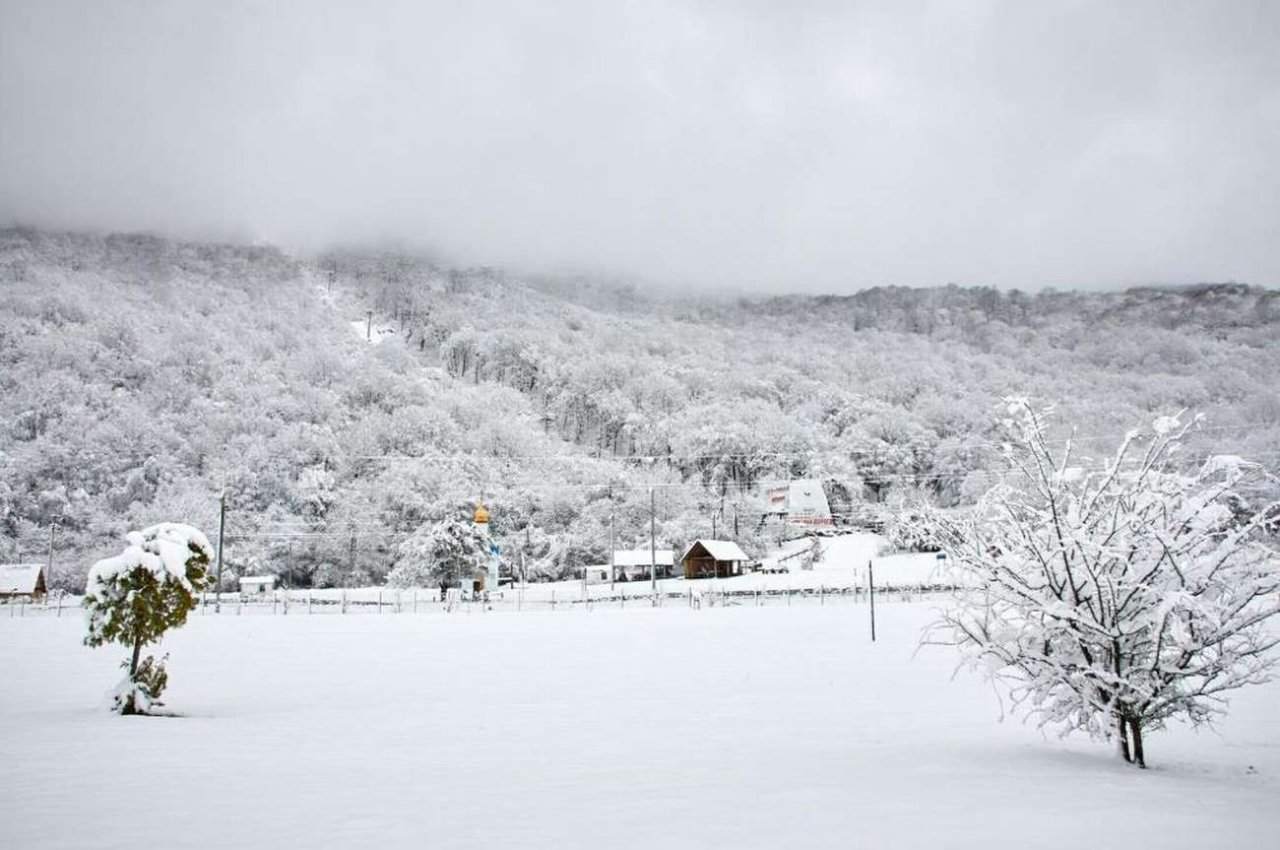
pixel 771 145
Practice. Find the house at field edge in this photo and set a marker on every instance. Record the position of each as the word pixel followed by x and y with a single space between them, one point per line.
pixel 596 573
pixel 22 581
pixel 713 559
pixel 802 502
pixel 635 564
pixel 253 585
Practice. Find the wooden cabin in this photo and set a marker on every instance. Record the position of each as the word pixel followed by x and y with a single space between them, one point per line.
pixel 22 581
pixel 713 559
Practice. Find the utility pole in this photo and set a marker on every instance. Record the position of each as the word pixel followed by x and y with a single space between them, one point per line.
pixel 351 570
pixel 53 524
pixel 653 547
pixel 735 521
pixel 222 519
pixel 368 327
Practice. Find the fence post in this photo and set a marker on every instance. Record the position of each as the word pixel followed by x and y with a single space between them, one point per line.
pixel 344 600
pixel 822 595
pixel 553 599
pixel 308 600
pixel 274 598
pixel 871 595
pixel 59 604
pixel 379 601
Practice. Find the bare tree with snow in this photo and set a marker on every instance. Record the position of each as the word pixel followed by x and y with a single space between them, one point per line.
pixel 1111 598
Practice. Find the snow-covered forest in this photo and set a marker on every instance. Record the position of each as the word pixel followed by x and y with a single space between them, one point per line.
pixel 343 400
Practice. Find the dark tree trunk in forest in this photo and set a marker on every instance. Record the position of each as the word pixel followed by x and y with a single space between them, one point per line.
pixel 1123 738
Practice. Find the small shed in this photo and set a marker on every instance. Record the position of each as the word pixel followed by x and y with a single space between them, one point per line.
pixel 253 585
pixel 22 581
pixel 634 564
pixel 713 559
pixel 597 573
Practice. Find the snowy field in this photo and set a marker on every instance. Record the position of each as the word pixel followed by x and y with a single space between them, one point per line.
pixel 724 727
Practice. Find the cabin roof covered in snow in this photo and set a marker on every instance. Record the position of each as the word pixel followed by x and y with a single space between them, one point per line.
pixel 256 579
pixel 640 557
pixel 721 550
pixel 19 578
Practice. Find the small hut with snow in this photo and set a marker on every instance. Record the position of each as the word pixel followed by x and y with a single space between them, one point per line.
pixel 22 581
pixel 713 559
pixel 257 585
pixel 637 564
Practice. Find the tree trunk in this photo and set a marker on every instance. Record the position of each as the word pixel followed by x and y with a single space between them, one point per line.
pixel 1135 727
pixel 1123 737
pixel 130 706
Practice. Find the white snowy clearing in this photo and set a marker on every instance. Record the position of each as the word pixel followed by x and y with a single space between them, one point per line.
pixel 373 334
pixel 725 727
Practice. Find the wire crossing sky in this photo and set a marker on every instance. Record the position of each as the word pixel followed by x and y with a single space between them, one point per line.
pixel 808 146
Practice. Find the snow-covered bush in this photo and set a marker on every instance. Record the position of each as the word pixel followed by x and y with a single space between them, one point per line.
pixel 907 533
pixel 440 552
pixel 135 597
pixel 1111 598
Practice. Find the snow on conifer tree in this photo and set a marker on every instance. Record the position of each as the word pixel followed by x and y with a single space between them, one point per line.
pixel 443 551
pixel 1111 600
pixel 135 597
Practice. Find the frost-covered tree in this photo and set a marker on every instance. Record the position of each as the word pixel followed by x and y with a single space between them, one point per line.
pixel 135 597
pixel 1111 598
pixel 440 552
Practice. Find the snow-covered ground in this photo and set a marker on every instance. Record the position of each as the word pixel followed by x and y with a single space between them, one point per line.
pixel 722 727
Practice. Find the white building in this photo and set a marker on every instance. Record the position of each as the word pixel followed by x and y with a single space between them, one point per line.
pixel 635 564
pixel 801 502
pixel 252 585
pixel 597 573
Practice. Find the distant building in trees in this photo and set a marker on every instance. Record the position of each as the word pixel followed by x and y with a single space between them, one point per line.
pixel 713 559
pixel 252 585
pixel 22 581
pixel 801 502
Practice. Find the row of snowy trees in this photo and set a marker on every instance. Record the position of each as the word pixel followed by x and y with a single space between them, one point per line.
pixel 139 378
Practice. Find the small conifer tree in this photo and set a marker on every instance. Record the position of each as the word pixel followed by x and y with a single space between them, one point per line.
pixel 135 597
